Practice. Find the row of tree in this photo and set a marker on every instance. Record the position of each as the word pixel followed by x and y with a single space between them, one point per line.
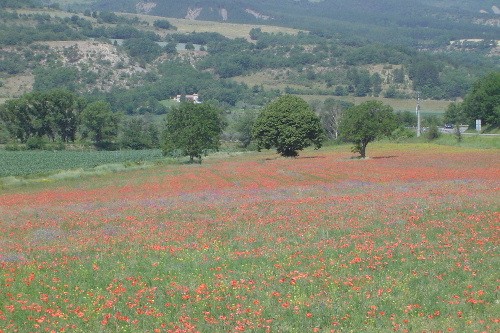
pixel 62 116
pixel 288 123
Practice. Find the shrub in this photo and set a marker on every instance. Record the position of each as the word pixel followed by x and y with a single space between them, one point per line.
pixel 402 133
pixel 36 143
pixel 433 133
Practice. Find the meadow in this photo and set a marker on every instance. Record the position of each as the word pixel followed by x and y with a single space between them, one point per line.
pixel 405 241
pixel 229 30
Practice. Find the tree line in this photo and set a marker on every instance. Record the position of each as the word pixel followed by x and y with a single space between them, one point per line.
pixel 288 123
pixel 58 117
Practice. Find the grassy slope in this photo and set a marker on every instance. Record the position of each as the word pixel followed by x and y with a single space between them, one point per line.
pixel 230 30
pixel 426 106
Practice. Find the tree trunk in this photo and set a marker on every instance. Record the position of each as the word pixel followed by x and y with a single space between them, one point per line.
pixel 362 150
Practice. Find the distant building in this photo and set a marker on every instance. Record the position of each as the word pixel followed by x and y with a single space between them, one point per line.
pixel 189 98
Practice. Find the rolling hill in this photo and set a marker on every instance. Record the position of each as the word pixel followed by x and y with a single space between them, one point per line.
pixel 416 21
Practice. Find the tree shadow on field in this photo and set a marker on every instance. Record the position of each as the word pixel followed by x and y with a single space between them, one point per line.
pixel 293 158
pixel 372 157
pixel 309 157
pixel 383 157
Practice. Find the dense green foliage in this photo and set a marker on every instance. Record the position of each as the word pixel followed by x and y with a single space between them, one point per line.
pixel 365 123
pixel 19 3
pixel 100 124
pixel 163 24
pixel 54 115
pixel 142 48
pixel 54 77
pixel 289 125
pixel 192 130
pixel 138 133
pixel 49 120
pixel 454 114
pixel 483 101
pixel 44 27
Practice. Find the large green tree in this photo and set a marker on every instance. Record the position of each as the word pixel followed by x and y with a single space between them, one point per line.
pixel 365 123
pixel 483 101
pixel 192 129
pixel 100 124
pixel 53 114
pixel 289 125
pixel 64 109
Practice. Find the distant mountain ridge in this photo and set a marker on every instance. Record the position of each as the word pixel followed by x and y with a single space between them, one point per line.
pixel 422 19
pixel 237 10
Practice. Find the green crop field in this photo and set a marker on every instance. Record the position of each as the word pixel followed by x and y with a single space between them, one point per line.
pixel 24 163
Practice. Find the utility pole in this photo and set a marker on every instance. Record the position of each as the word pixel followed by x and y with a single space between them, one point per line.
pixel 418 114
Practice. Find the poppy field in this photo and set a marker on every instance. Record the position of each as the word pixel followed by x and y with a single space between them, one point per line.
pixel 405 241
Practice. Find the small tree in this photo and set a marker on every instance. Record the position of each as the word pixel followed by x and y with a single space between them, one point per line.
pixel 137 133
pixel 454 115
pixel 244 127
pixel 365 123
pixel 289 125
pixel 432 133
pixel 162 24
pixel 192 129
pixel 100 124
pixel 331 114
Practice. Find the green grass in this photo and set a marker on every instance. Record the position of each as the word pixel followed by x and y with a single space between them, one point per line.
pixel 230 30
pixel 426 106
pixel 470 141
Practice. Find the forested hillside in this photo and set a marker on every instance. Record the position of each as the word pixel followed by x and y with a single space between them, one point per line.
pixel 137 62
pixel 395 21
